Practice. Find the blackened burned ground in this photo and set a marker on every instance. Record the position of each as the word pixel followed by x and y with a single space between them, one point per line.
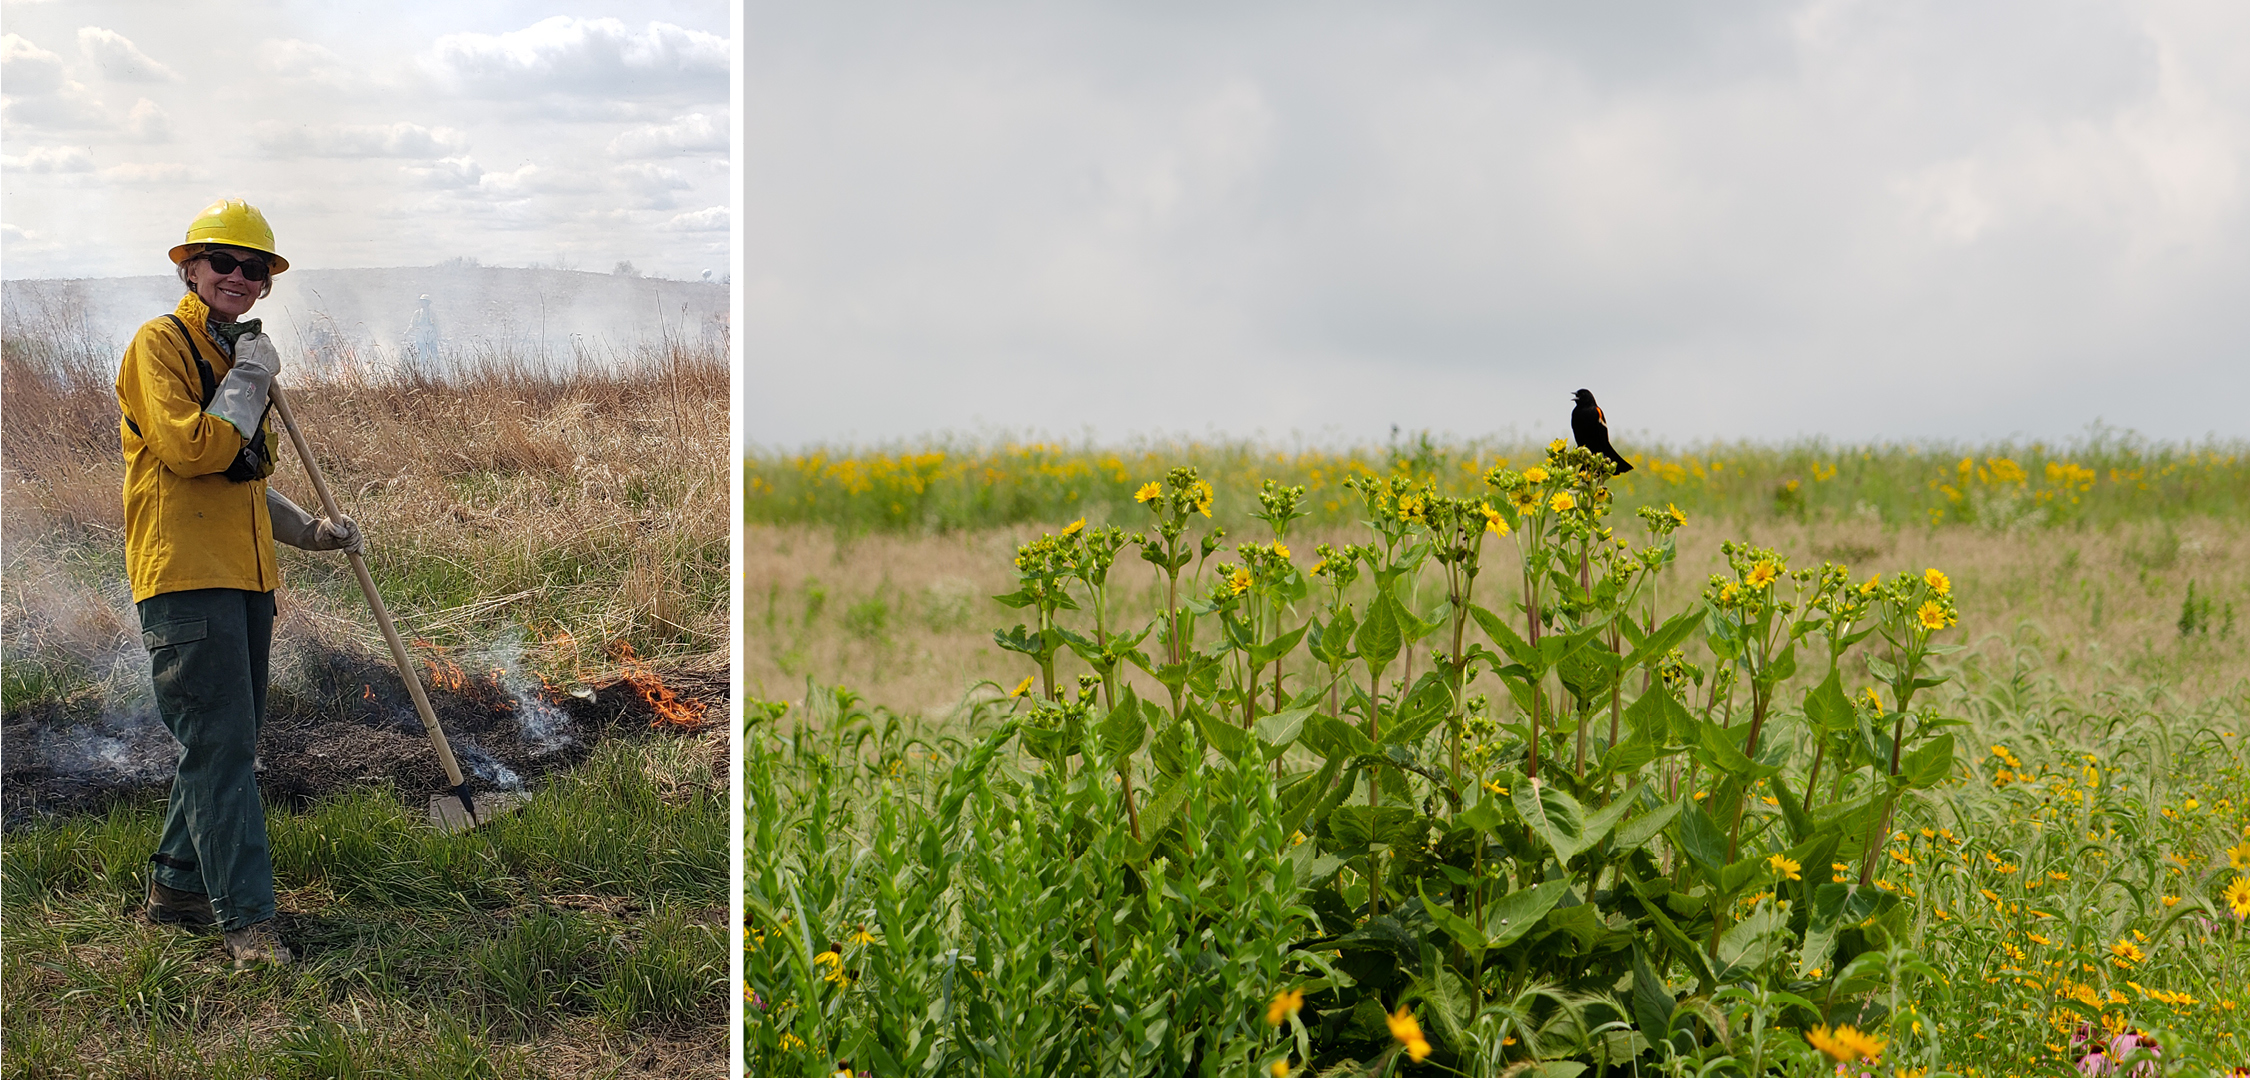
pixel 344 721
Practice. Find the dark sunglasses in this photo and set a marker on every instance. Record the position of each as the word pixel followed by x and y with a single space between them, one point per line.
pixel 253 269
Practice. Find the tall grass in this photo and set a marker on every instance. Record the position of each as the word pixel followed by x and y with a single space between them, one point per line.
pixel 2103 477
pixel 585 502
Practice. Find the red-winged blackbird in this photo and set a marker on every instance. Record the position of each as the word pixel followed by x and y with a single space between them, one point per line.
pixel 1592 431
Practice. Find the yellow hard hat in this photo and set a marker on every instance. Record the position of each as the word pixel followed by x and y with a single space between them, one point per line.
pixel 230 223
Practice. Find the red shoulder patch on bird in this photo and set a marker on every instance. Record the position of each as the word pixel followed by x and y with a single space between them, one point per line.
pixel 1599 416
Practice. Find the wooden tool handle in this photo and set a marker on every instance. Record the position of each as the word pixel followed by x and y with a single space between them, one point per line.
pixel 374 599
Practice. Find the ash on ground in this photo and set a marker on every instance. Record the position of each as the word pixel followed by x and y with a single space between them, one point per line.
pixel 345 720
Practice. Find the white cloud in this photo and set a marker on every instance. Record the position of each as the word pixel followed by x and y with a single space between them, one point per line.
pixel 654 184
pixel 288 58
pixel 358 140
pixel 592 57
pixel 26 68
pixel 530 179
pixel 120 59
pixel 452 172
pixel 50 159
pixel 709 219
pixel 149 123
pixel 152 172
pixel 693 133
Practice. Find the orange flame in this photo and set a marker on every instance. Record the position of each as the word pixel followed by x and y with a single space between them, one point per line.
pixel 447 677
pixel 670 708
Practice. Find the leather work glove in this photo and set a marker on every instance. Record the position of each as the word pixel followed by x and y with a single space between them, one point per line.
pixel 241 399
pixel 297 527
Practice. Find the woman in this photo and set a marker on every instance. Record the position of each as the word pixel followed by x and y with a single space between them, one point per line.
pixel 200 524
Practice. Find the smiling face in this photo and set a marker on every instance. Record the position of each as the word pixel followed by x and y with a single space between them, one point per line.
pixel 231 294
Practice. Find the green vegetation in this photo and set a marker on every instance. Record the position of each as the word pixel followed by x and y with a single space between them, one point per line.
pixel 1377 814
pixel 577 931
pixel 2102 478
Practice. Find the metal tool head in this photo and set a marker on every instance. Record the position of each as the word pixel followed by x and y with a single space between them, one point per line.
pixel 449 813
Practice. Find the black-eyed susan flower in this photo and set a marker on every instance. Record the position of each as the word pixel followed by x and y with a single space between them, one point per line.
pixel 1933 616
pixel 1408 1032
pixel 1845 1043
pixel 1285 1005
pixel 2238 897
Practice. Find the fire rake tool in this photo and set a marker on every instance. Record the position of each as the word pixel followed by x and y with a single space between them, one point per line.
pixel 473 810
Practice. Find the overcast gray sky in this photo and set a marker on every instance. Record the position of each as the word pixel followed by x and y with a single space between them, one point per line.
pixel 1866 220
pixel 394 134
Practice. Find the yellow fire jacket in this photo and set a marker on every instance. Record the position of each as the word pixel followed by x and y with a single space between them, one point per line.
pixel 186 525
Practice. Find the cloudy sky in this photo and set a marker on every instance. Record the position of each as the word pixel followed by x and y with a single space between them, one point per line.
pixel 1907 219
pixel 395 134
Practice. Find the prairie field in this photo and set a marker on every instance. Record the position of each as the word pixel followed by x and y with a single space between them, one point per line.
pixel 1758 759
pixel 552 539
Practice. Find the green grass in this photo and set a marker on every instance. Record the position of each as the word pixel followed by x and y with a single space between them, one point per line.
pixel 2102 478
pixel 580 925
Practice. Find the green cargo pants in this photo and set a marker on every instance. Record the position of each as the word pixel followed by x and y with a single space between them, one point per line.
pixel 208 651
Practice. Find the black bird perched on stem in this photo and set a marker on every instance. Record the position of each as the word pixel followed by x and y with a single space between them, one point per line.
pixel 1592 431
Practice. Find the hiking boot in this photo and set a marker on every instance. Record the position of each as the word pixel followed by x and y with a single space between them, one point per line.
pixel 179 907
pixel 257 943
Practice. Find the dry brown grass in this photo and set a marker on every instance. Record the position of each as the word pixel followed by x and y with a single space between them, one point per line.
pixel 589 505
pixel 907 620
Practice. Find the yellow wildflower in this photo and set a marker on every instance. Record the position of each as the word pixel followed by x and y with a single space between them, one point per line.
pixel 1535 474
pixel 2127 951
pixel 1678 518
pixel 2170 901
pixel 1072 528
pixel 1281 549
pixel 1203 497
pixel 1562 501
pixel 1408 1032
pixel 861 935
pixel 1785 867
pixel 2238 897
pixel 1493 522
pixel 1933 616
pixel 1022 688
pixel 2238 856
pixel 1149 492
pixel 1937 580
pixel 1281 1065
pixel 1284 1005
pixel 1762 575
pixel 1869 588
pixel 1846 1044
pixel 1557 446
pixel 1239 580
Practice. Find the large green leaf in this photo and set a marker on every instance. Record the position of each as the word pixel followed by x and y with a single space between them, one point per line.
pixel 1516 914
pixel 1929 764
pixel 1278 731
pixel 1224 737
pixel 1334 739
pixel 1125 728
pixel 1827 706
pixel 1358 826
pixel 1506 637
pixel 1636 832
pixel 1558 818
pixel 1379 639
pixel 1666 638
pixel 1749 945
pixel 1701 842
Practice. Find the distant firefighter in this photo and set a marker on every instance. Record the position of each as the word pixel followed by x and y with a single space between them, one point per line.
pixel 422 337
